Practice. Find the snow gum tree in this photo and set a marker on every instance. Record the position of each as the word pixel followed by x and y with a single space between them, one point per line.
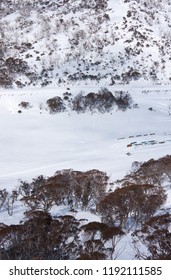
pixel 155 235
pixel 131 205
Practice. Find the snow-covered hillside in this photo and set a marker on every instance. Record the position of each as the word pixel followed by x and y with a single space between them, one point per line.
pixel 85 42
pixel 85 85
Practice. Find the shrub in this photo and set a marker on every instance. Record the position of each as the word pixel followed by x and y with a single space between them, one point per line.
pixel 123 100
pixel 56 105
pixel 25 105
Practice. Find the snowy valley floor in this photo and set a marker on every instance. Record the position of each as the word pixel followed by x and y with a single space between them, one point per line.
pixel 35 142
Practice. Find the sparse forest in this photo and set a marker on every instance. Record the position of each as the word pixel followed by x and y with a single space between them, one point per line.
pixel 32 53
pixel 130 207
pixel 85 90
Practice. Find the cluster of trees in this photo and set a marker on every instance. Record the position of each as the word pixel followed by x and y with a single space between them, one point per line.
pixel 102 102
pixel 11 67
pixel 42 236
pixel 156 236
pixel 74 189
pixel 153 172
pixel 134 207
pixel 100 241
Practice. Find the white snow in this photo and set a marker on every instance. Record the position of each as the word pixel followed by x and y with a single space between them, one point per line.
pixel 32 143
pixel 37 143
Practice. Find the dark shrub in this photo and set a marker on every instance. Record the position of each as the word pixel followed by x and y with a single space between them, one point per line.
pixel 24 104
pixel 56 105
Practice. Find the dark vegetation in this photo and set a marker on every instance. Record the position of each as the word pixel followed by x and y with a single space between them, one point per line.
pixel 56 105
pixel 156 235
pixel 133 204
pixel 10 68
pixel 102 102
pixel 24 105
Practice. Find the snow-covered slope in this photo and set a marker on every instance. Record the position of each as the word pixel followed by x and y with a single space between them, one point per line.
pixel 68 48
pixel 85 42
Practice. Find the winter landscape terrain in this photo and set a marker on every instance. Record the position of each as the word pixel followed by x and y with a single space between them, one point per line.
pixel 85 129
